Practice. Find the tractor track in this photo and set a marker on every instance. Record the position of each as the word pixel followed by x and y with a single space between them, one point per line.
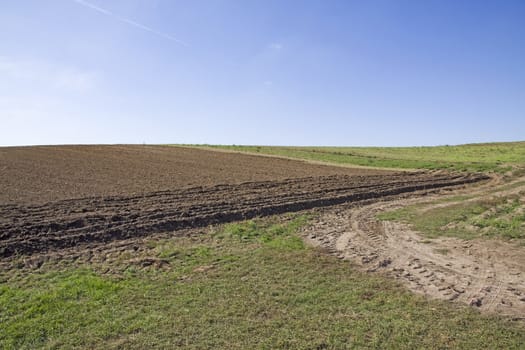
pixel 488 275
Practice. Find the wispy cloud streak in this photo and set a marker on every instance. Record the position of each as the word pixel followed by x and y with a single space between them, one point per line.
pixel 94 7
pixel 129 21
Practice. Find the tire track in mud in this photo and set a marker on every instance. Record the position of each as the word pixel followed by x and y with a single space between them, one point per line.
pixel 27 229
pixel 488 275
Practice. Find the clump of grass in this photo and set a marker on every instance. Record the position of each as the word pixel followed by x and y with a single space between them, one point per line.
pixel 58 309
pixel 277 235
pixel 442 251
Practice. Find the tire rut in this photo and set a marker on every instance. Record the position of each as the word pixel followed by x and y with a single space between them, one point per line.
pixel 487 275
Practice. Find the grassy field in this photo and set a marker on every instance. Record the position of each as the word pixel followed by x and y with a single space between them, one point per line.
pixel 499 157
pixel 247 285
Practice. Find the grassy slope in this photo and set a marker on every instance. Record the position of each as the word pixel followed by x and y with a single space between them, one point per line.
pixel 475 157
pixel 249 285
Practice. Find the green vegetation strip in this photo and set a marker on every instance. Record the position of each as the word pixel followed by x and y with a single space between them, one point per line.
pixel 499 157
pixel 248 285
pixel 498 217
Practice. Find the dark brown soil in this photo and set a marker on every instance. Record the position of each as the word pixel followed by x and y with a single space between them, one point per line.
pixel 48 173
pixel 25 229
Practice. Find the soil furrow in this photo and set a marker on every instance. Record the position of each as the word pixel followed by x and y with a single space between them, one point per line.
pixel 56 225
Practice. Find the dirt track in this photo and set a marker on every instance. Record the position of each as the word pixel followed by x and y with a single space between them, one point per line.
pixel 486 274
pixel 25 229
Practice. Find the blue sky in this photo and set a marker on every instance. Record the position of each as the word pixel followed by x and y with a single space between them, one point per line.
pixel 385 73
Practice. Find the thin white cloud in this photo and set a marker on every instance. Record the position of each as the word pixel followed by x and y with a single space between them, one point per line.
pixel 151 30
pixel 72 79
pixel 36 73
pixel 129 21
pixel 24 108
pixel 94 7
pixel 275 46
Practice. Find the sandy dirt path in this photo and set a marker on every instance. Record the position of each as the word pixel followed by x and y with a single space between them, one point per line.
pixel 486 274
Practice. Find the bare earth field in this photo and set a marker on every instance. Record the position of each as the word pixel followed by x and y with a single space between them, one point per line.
pixel 66 223
pixel 76 201
pixel 37 216
pixel 47 173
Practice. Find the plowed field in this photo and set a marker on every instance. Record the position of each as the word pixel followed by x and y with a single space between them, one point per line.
pixel 60 197
pixel 47 173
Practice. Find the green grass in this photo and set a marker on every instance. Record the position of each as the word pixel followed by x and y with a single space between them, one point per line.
pixel 247 285
pixel 499 157
pixel 499 217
